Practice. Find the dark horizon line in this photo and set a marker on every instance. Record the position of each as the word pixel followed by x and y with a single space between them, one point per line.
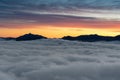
pixel 63 36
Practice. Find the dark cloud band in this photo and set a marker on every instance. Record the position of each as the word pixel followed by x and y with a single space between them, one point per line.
pixel 57 11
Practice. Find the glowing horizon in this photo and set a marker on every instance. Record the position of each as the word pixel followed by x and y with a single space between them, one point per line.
pixel 58 18
pixel 57 32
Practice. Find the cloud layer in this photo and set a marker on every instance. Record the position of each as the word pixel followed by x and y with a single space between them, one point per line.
pixel 59 60
pixel 46 4
pixel 27 12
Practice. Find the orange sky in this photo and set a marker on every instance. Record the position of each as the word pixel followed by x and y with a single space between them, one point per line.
pixel 58 29
pixel 58 18
pixel 58 32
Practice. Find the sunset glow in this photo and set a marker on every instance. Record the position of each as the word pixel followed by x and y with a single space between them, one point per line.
pixel 56 19
pixel 58 32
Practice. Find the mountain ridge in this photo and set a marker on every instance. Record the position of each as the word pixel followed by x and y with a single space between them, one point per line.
pixel 92 38
pixel 84 38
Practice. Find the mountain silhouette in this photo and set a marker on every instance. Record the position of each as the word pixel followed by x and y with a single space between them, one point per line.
pixel 7 38
pixel 29 36
pixel 92 38
pixel 84 38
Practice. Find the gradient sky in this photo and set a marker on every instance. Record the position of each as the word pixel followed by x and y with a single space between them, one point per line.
pixel 58 18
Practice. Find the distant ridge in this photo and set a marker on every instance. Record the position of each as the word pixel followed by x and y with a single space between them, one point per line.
pixel 92 38
pixel 29 36
pixel 84 38
pixel 7 38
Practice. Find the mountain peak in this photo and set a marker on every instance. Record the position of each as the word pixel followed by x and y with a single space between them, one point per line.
pixel 29 36
pixel 91 38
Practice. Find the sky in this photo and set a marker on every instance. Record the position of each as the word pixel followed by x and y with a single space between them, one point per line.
pixel 58 18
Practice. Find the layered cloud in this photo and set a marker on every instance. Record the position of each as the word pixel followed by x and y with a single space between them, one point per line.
pixel 53 59
pixel 62 3
pixel 86 8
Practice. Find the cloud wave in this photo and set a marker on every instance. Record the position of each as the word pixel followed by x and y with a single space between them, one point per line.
pixel 59 60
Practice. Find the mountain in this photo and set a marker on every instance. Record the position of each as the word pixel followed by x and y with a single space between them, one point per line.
pixel 92 38
pixel 85 38
pixel 9 38
pixel 6 38
pixel 117 37
pixel 29 37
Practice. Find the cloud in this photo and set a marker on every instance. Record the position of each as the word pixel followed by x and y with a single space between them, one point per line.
pixel 65 3
pixel 52 12
pixel 30 20
pixel 59 60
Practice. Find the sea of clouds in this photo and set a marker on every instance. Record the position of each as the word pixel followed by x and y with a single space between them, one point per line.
pixel 59 60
